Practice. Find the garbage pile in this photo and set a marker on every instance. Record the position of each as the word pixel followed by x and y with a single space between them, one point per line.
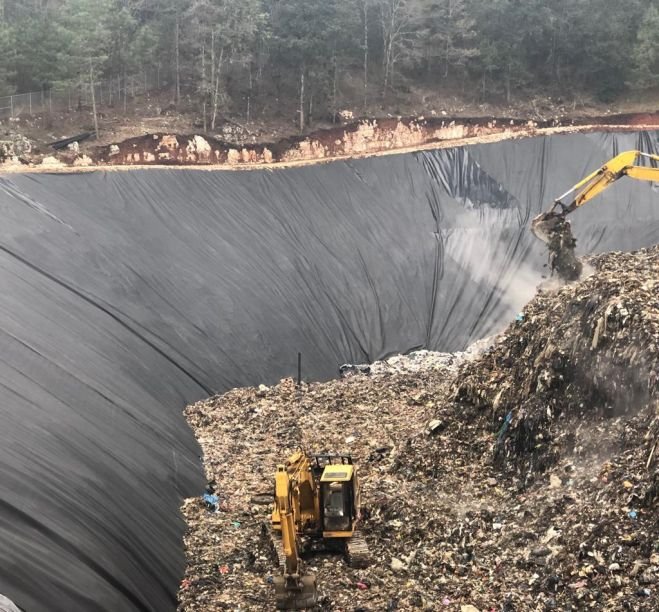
pixel 419 361
pixel 590 350
pixel 523 478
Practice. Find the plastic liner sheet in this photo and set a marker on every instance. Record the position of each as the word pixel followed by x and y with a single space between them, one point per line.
pixel 125 295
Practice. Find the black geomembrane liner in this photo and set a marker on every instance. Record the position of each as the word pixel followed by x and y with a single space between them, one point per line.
pixel 125 295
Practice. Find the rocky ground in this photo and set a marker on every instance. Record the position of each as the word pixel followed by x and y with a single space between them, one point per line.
pixel 523 477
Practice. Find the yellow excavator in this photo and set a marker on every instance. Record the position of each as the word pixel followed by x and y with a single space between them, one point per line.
pixel 316 506
pixel 552 227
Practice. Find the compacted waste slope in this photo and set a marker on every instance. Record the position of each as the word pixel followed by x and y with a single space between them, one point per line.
pixel 516 477
pixel 127 295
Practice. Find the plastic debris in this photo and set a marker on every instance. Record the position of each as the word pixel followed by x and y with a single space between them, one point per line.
pixel 212 502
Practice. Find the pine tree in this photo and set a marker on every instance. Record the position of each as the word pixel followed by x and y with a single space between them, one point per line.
pixel 450 36
pixel 646 51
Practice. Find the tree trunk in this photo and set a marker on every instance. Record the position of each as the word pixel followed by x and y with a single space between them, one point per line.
pixel 389 36
pixel 216 93
pixel 302 100
pixel 365 54
pixel 334 108
pixel 203 86
pixel 447 51
pixel 212 84
pixel 249 93
pixel 92 85
pixel 177 37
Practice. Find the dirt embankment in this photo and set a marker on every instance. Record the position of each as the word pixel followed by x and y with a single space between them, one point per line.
pixel 521 479
pixel 360 138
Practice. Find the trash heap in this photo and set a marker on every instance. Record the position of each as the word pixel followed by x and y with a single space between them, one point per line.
pixel 588 351
pixel 523 478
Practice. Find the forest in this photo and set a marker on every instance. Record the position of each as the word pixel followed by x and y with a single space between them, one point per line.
pixel 315 57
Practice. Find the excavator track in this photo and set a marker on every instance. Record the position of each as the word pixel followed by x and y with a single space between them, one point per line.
pixel 357 553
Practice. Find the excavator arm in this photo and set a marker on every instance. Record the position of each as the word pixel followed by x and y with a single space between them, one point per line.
pixel 545 224
pixel 293 590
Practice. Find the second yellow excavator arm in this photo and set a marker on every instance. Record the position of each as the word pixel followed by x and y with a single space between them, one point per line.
pixel 593 185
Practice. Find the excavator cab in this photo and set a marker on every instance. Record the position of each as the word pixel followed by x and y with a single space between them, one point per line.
pixel 337 495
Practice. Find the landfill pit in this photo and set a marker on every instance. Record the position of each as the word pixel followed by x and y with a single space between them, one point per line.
pixel 517 476
pixel 128 295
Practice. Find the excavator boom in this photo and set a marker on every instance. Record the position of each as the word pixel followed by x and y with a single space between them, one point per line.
pixel 545 225
pixel 293 591
pixel 552 226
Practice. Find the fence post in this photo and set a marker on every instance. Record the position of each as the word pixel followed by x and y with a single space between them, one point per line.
pixel 11 106
pixel 30 98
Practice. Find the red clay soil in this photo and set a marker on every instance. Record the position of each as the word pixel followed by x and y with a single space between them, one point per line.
pixel 360 138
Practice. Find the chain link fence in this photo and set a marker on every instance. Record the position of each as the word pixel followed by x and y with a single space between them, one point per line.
pixel 110 92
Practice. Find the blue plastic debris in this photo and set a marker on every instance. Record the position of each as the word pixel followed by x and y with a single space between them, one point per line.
pixel 212 502
pixel 506 424
pixel 520 317
pixel 632 514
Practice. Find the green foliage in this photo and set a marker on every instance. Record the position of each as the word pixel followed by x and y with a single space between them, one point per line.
pixel 38 45
pixel 646 51
pixel 7 59
pixel 88 31
pixel 223 52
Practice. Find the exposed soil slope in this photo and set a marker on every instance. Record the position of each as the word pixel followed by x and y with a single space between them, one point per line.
pixel 231 148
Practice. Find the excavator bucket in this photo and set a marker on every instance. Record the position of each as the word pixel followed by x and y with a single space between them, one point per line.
pixel 545 226
pixel 300 594
pixel 555 230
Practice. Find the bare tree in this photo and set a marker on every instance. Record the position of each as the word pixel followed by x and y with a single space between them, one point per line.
pixel 92 85
pixel 397 34
pixel 365 4
pixel 177 51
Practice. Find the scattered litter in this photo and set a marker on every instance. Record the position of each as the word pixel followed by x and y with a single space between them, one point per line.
pixel 212 502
